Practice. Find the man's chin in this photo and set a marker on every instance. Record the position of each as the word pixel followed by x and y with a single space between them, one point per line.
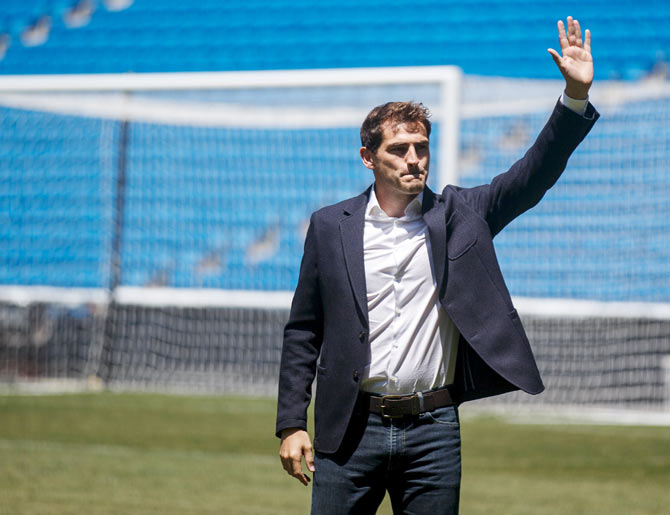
pixel 416 191
pixel 414 188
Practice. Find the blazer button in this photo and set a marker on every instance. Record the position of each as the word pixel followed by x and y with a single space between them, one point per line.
pixel 355 375
pixel 361 336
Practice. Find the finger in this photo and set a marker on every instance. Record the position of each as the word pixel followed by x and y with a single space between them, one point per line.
pixel 309 460
pixel 557 58
pixel 296 470
pixel 562 38
pixel 587 40
pixel 571 31
pixel 578 33
pixel 303 479
pixel 286 463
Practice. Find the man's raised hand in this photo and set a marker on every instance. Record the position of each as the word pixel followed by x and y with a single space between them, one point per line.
pixel 576 63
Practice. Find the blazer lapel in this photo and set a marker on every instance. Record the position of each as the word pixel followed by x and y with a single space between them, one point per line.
pixel 433 215
pixel 351 233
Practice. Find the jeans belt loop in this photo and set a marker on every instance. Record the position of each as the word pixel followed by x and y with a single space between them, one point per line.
pixel 420 396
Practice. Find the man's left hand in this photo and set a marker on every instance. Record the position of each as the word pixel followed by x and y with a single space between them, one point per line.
pixel 576 63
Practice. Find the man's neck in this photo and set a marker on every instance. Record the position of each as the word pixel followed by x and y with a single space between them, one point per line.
pixel 393 205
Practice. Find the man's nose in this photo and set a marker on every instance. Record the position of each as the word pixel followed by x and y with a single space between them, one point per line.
pixel 412 157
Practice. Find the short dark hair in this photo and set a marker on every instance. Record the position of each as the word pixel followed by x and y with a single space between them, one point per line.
pixel 398 112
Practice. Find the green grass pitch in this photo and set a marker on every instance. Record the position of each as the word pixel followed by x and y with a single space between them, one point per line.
pixel 157 454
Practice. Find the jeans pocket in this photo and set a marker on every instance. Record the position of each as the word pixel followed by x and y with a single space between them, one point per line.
pixel 446 416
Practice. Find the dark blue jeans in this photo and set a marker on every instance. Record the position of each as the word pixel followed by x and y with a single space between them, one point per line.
pixel 416 458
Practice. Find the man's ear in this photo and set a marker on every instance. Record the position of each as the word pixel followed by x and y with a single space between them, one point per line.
pixel 368 158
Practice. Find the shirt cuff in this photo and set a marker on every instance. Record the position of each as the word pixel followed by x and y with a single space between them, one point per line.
pixel 578 106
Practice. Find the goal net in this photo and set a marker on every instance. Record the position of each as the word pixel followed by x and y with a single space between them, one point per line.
pixel 588 265
pixel 154 223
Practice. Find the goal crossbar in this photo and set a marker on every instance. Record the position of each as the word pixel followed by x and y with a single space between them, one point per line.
pixel 213 298
pixel 13 90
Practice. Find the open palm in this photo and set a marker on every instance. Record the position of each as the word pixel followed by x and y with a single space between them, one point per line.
pixel 576 63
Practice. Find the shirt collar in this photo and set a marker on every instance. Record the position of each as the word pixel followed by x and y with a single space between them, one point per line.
pixel 412 211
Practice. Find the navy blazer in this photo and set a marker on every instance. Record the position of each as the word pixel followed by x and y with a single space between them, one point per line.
pixel 327 331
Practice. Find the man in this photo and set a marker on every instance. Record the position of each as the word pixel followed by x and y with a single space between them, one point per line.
pixel 402 313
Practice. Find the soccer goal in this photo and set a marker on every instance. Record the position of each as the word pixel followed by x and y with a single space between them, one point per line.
pixel 155 223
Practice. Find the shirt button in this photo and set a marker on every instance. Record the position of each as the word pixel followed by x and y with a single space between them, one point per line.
pixel 355 375
pixel 361 336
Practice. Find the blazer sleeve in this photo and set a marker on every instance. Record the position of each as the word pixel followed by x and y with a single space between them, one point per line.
pixel 525 183
pixel 303 336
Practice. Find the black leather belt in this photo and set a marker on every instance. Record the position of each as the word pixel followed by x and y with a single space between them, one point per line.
pixel 396 406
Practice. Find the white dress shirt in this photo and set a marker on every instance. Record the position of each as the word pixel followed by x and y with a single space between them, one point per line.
pixel 576 105
pixel 413 342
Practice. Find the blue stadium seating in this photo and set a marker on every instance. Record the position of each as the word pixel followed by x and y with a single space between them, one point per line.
pixel 485 37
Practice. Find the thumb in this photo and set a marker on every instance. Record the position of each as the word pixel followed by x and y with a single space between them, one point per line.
pixel 557 58
pixel 309 460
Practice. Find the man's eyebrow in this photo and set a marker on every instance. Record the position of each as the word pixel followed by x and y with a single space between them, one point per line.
pixel 407 143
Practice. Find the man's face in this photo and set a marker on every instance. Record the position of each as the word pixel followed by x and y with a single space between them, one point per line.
pixel 401 162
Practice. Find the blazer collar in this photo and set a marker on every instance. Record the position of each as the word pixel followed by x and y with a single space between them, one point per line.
pixel 351 234
pixel 435 218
